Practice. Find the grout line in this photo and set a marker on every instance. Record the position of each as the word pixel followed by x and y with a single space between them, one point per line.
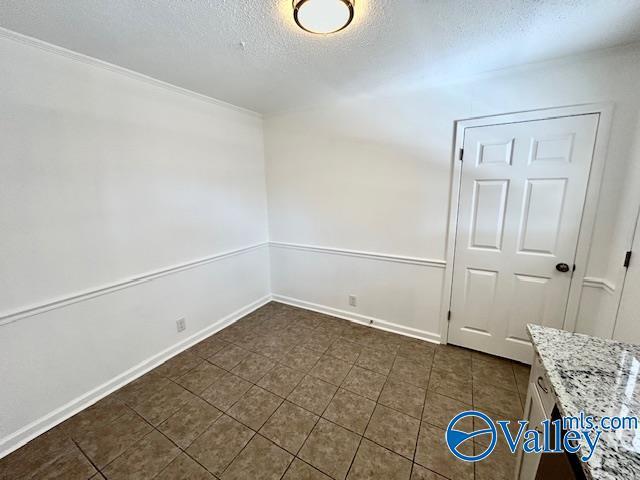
pixel 372 414
pixel 86 456
pixel 242 337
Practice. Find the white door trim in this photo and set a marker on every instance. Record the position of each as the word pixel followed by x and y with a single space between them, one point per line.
pixel 605 112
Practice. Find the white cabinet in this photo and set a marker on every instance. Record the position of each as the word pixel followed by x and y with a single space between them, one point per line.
pixel 538 407
pixel 527 465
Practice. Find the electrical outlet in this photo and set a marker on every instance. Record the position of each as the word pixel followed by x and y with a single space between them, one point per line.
pixel 353 300
pixel 181 325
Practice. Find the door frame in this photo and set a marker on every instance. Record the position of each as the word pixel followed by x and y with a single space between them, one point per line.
pixel 635 236
pixel 605 112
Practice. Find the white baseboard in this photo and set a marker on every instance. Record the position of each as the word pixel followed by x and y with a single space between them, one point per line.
pixel 361 319
pixel 27 433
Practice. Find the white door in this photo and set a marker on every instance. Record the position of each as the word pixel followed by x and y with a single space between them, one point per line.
pixel 522 192
pixel 627 327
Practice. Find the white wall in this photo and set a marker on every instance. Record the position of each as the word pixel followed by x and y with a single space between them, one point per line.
pixel 125 205
pixel 105 178
pixel 626 327
pixel 372 173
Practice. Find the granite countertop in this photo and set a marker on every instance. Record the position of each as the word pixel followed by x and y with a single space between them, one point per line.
pixel 599 377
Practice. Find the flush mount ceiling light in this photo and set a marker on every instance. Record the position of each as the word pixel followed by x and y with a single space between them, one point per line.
pixel 323 16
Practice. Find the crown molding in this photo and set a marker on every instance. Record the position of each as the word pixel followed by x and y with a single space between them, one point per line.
pixel 94 62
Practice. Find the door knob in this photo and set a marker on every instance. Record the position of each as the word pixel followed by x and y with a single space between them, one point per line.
pixel 562 267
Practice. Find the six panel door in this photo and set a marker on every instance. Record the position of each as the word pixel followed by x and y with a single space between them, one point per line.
pixel 522 193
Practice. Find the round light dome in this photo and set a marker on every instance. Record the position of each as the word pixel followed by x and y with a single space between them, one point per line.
pixel 322 16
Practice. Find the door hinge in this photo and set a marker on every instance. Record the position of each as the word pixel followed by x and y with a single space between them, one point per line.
pixel 627 259
pixel 449 316
pixel 461 154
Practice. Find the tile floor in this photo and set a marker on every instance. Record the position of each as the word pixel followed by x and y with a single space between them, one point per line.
pixel 286 393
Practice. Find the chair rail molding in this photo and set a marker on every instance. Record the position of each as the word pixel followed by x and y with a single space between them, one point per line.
pixel 602 283
pixel 63 301
pixel 387 257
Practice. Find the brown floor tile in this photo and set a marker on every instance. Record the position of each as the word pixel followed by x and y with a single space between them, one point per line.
pixel 432 453
pixel 301 358
pixel 350 411
pixel 523 398
pixel 253 367
pixel 451 385
pixel 106 443
pixel 229 357
pixel 297 331
pixel 142 387
pixel 255 407
pixel 289 426
pixel 356 333
pixel 364 382
pixel 345 350
pixel 156 408
pixel 403 396
pixel 497 362
pixel 500 375
pixel 208 347
pixel 37 454
pixel 330 370
pixel 418 351
pixel 274 352
pixel 330 448
pixel 421 473
pixel 260 459
pixel 439 410
pixel 498 400
pixel 332 325
pixel 184 426
pixel 179 365
pixel 281 380
pixel 216 448
pixel 303 471
pixel 184 467
pixel 306 318
pixel 304 356
pixel 313 394
pixel 407 370
pixel 500 465
pixel 71 465
pixel 457 364
pixel 144 460
pixel 97 415
pixel 226 391
pixel 376 360
pixel 394 430
pixel 319 341
pixel 380 340
pixel 522 373
pixel 452 352
pixel 201 377
pixel 373 462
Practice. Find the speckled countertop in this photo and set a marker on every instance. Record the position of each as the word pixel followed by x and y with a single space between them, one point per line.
pixel 600 377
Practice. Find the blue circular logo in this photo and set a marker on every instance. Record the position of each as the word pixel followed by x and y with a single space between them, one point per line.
pixel 456 437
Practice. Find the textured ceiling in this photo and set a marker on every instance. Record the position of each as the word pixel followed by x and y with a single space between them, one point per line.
pixel 251 54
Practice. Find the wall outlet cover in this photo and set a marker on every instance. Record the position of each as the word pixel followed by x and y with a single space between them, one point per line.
pixel 181 325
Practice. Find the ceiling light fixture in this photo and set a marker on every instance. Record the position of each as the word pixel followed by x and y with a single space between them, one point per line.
pixel 323 16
